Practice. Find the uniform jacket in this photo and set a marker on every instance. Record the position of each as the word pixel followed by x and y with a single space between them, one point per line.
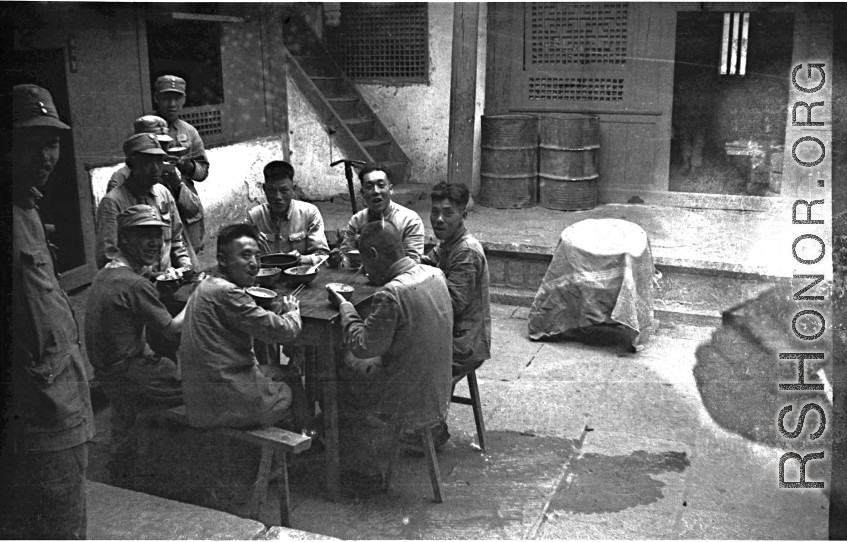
pixel 410 327
pixel 51 405
pixel 187 136
pixel 463 262
pixel 221 382
pixel 302 230
pixel 407 222
pixel 174 253
pixel 122 305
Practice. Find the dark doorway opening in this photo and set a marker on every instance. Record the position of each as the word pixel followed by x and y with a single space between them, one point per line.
pixel 60 205
pixel 729 128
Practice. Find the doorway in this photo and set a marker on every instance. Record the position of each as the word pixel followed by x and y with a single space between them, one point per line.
pixel 730 102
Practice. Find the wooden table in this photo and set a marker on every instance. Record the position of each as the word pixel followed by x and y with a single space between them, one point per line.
pixel 322 330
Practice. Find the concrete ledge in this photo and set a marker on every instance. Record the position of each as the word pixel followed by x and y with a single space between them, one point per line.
pixel 121 514
pixel 284 533
pixel 663 263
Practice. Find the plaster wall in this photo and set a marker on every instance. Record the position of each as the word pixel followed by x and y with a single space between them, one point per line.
pixel 232 187
pixel 418 116
pixel 312 150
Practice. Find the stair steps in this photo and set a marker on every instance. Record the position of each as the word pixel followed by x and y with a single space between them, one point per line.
pixel 358 131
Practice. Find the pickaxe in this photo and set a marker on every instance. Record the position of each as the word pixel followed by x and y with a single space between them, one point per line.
pixel 348 173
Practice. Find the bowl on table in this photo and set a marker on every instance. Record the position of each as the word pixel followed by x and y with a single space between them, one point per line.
pixel 279 260
pixel 263 297
pixel 302 274
pixel 345 290
pixel 355 258
pixel 268 276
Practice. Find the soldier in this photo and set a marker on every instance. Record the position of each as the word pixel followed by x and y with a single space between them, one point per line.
pixel 50 419
pixel 144 156
pixel 193 165
pixel 187 202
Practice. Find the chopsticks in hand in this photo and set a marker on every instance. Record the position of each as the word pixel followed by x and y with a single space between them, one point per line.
pixel 297 290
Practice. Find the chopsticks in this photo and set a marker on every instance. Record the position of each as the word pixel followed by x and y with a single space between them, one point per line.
pixel 297 290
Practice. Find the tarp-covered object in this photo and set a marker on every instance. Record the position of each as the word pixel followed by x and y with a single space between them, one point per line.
pixel 601 273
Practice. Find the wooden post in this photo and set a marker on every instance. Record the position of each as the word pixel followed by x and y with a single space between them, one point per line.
pixel 463 93
pixel 275 72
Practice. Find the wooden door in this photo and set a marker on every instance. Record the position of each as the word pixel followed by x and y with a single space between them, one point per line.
pixel 614 60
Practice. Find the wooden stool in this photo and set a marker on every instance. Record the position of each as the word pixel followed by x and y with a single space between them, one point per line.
pixel 473 401
pixel 273 442
pixel 428 448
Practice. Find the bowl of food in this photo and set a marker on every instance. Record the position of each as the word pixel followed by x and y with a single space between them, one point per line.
pixel 262 296
pixel 279 260
pixel 171 275
pixel 345 290
pixel 177 152
pixel 355 258
pixel 268 276
pixel 302 274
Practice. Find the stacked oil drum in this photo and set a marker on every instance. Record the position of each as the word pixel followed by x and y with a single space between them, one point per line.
pixel 532 160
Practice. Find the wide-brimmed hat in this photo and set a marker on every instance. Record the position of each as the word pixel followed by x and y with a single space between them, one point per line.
pixel 33 106
pixel 144 144
pixel 139 215
pixel 151 124
pixel 170 83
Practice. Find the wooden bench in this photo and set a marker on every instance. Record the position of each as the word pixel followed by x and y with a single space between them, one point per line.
pixel 273 441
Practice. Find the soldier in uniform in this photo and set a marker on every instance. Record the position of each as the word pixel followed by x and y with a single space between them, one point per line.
pixel 49 420
pixel 187 202
pixel 193 165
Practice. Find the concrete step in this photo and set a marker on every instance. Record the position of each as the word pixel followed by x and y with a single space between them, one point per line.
pixel 692 289
pixel 120 514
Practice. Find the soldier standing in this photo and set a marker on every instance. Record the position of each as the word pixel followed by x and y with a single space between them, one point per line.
pixel 50 419
pixel 193 165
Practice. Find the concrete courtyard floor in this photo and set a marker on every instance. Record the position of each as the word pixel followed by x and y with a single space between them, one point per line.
pixel 584 441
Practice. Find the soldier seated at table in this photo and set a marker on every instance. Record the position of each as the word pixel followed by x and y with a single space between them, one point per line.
pixel 409 329
pixel 284 223
pixel 461 257
pixel 377 189
pixel 223 384
pixel 123 308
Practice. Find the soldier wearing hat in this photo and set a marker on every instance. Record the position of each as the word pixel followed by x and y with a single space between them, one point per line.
pixel 148 124
pixel 145 159
pixel 49 419
pixel 187 202
pixel 194 165
pixel 123 308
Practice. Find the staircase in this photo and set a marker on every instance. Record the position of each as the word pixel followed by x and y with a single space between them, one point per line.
pixel 342 110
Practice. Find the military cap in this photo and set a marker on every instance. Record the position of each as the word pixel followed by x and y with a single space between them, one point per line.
pixel 170 83
pixel 151 124
pixel 33 106
pixel 139 215
pixel 144 144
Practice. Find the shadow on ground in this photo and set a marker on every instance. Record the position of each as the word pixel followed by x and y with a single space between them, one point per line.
pixel 498 494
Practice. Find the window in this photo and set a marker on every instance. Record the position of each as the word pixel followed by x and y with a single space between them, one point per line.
pixel 382 42
pixel 575 54
pixel 191 50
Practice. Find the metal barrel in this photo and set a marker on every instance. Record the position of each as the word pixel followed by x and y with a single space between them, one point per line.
pixel 568 155
pixel 509 161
